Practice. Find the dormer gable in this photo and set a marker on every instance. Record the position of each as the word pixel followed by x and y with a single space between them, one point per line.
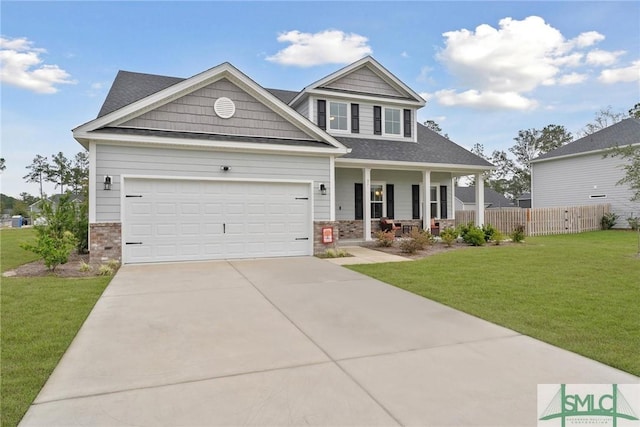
pixel 366 79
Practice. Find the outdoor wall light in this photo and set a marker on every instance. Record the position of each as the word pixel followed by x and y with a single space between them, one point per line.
pixel 225 168
pixel 323 189
pixel 107 182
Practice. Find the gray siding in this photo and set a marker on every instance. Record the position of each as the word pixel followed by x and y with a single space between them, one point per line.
pixel 194 113
pixel 402 181
pixel 118 160
pixel 366 81
pixel 366 120
pixel 570 182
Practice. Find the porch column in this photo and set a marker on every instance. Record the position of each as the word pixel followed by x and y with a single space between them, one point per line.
pixel 479 199
pixel 426 208
pixel 452 215
pixel 366 178
pixel 332 188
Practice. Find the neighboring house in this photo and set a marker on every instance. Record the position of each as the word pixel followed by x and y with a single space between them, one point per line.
pixel 36 207
pixel 577 174
pixel 524 201
pixel 216 166
pixel 466 199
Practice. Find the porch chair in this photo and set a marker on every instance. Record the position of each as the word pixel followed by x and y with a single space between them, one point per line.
pixel 387 224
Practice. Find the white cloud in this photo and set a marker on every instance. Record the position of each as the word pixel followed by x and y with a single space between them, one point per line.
pixel 572 79
pixel 21 66
pixel 603 57
pixel 489 99
pixel 404 54
pixel 626 74
pixel 325 47
pixel 501 66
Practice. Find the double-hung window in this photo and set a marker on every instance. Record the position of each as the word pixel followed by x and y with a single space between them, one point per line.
pixel 338 118
pixel 392 123
pixel 377 200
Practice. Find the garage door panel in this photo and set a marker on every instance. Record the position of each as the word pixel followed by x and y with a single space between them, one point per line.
pixel 197 220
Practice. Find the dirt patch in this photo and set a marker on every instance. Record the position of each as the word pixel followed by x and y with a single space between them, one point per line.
pixel 70 269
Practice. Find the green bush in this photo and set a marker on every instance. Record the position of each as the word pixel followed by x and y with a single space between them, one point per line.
pixel 54 239
pixel 105 270
pixel 423 238
pixel 385 239
pixel 497 237
pixel 489 231
pixel 608 220
pixel 81 226
pixel 475 237
pixel 634 222
pixel 517 235
pixel 449 235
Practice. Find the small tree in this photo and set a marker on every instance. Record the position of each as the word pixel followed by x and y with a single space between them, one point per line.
pixel 55 239
pixel 38 172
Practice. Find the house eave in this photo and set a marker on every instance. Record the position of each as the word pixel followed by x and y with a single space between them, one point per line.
pixel 584 153
pixel 457 169
pixel 220 145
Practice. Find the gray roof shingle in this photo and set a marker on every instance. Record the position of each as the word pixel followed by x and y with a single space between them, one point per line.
pixel 431 147
pixel 130 87
pixel 625 132
pixel 491 197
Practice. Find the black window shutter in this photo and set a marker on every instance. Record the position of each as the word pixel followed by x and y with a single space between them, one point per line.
pixel 390 210
pixel 443 202
pixel 359 202
pixel 407 123
pixel 377 120
pixel 322 114
pixel 415 201
pixel 355 118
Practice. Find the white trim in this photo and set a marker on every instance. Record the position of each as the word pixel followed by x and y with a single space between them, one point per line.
pixel 426 199
pixel 204 144
pixel 93 184
pixel 124 177
pixel 347 109
pixel 366 202
pixel 332 188
pixel 584 153
pixel 417 166
pixel 323 93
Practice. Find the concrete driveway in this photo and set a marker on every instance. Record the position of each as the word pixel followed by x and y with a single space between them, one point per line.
pixel 293 341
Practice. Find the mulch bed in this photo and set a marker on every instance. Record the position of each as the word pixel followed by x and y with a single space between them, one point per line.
pixel 70 269
pixel 436 248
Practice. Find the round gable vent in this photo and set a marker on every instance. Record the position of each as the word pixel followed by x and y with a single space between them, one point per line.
pixel 224 107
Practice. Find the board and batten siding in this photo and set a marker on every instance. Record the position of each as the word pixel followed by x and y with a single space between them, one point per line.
pixel 366 81
pixel 576 180
pixel 194 113
pixel 115 161
pixel 402 182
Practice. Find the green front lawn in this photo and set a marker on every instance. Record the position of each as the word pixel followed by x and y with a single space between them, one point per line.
pixel 39 317
pixel 579 292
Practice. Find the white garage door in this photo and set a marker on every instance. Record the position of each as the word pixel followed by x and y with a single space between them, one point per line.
pixel 183 220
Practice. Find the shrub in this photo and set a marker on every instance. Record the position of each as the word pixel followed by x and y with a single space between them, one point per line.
pixel 634 222
pixel 385 239
pixel 114 264
pixel 449 235
pixel 423 238
pixel 517 235
pixel 54 238
pixel 489 231
pixel 474 236
pixel 105 270
pixel 81 226
pixel 497 237
pixel 608 220
pixel 84 267
pixel 410 246
pixel 335 253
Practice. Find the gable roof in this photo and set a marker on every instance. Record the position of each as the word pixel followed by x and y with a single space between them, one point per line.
pixel 430 147
pixel 134 94
pixel 373 66
pixel 491 197
pixel 625 132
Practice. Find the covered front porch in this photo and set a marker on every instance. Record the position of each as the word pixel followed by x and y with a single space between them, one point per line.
pixel 412 196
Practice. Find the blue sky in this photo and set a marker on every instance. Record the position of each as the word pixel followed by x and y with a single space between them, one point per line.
pixel 487 69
